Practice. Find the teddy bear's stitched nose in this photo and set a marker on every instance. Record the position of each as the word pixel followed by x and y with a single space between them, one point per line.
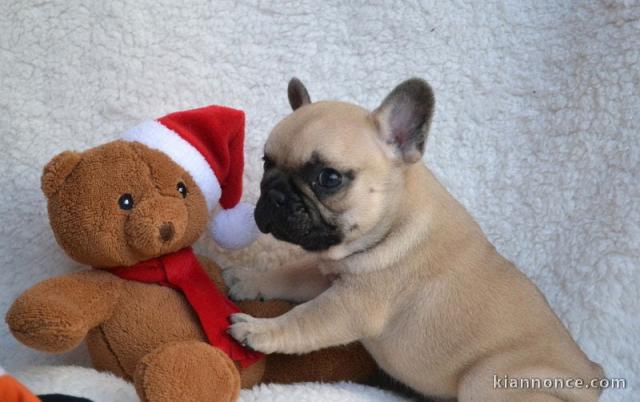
pixel 167 231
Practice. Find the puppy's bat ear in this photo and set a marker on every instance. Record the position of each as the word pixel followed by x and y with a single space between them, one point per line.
pixel 298 94
pixel 404 118
pixel 57 171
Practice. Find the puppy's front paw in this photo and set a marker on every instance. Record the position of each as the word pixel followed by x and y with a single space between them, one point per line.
pixel 245 291
pixel 243 284
pixel 260 334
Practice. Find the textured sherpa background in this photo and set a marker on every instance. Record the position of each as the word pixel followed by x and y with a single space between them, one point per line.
pixel 536 129
pixel 105 387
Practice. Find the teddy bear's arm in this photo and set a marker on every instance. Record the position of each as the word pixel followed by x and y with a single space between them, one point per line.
pixel 56 314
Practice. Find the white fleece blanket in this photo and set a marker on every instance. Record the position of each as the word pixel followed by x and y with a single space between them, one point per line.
pixel 536 129
pixel 104 387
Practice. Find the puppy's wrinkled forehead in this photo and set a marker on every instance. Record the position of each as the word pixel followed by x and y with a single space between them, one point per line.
pixel 326 129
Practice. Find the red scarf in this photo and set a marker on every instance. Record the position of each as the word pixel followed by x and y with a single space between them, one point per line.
pixel 182 271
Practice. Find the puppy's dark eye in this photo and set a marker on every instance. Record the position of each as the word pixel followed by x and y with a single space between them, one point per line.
pixel 182 189
pixel 329 178
pixel 125 202
pixel 268 163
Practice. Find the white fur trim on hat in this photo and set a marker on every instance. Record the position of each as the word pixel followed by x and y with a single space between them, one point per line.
pixel 2 372
pixel 157 136
pixel 235 227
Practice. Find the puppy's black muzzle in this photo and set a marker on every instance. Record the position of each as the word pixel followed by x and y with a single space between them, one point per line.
pixel 283 211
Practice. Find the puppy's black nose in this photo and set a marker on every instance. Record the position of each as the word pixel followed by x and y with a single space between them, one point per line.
pixel 167 231
pixel 276 196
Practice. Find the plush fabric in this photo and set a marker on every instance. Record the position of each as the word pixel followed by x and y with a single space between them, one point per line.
pixel 224 151
pixel 77 381
pixel 535 131
pixel 157 136
pixel 208 142
pixel 183 272
pixel 190 371
pixel 234 228
pixel 104 387
pixel 94 229
pixel 150 322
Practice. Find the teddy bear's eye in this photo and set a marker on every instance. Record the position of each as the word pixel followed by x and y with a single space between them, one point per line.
pixel 125 202
pixel 182 189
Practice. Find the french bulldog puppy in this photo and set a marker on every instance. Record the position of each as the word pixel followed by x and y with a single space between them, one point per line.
pixel 411 274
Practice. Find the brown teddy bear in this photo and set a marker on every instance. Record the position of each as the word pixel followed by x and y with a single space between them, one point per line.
pixel 151 311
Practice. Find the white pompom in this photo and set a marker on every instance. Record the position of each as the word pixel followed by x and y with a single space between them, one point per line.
pixel 235 227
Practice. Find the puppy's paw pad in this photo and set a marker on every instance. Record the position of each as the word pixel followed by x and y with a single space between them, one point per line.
pixel 241 326
pixel 241 317
pixel 255 333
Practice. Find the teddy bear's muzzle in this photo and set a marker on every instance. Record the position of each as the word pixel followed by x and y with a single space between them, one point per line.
pixel 157 226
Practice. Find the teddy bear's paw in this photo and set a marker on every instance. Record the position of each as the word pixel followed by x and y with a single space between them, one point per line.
pixel 49 327
pixel 259 334
pixel 244 284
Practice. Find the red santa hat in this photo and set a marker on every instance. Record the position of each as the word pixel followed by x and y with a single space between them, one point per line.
pixel 209 144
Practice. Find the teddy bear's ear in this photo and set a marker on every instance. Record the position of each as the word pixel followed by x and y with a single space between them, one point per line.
pixel 57 171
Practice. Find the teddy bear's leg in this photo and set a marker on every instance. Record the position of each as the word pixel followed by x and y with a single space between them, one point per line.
pixel 340 363
pixel 189 371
